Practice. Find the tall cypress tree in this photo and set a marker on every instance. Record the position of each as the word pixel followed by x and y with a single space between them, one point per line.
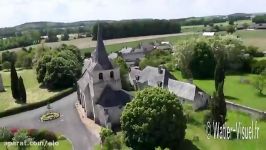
pixel 14 82
pixel 219 73
pixel 22 90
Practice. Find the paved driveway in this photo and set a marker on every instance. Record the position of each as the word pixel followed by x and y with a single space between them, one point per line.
pixel 69 123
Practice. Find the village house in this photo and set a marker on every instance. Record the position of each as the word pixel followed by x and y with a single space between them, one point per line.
pixel 208 34
pixel 258 26
pixel 99 89
pixel 160 77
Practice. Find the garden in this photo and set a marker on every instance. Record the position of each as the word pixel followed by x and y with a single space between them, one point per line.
pixel 32 139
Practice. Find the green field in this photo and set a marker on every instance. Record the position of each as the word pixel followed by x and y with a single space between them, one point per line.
pixel 195 128
pixel 63 145
pixel 255 38
pixel 118 47
pixel 34 92
pixel 241 93
pixel 196 28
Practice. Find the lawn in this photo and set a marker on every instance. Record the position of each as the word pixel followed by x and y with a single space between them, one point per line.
pixel 117 47
pixel 63 145
pixel 254 37
pixel 260 58
pixel 241 93
pixel 34 92
pixel 195 128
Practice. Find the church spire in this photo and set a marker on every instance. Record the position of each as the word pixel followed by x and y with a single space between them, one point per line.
pixel 101 56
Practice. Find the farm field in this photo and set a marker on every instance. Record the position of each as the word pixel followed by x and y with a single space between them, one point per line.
pixel 253 37
pixel 241 93
pixel 116 47
pixel 84 43
pixel 195 128
pixel 34 92
pixel 196 28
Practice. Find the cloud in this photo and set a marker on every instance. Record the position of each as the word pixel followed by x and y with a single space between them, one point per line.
pixel 14 12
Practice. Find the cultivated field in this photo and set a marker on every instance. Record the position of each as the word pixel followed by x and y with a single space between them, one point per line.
pixel 87 42
pixel 34 92
pixel 253 37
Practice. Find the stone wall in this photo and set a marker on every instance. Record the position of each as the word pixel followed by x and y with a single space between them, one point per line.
pixel 251 111
pixel 1 84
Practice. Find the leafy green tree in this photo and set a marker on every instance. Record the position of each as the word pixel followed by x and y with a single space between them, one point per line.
pixel 6 65
pixel 22 90
pixel 230 29
pixel 105 132
pixel 65 37
pixel 260 82
pixel 231 22
pixel 149 118
pixel 9 56
pixel 59 69
pixel 203 63
pixel 123 73
pixel 14 82
pixel 52 37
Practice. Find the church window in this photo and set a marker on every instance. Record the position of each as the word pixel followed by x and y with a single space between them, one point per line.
pixel 111 74
pixel 101 76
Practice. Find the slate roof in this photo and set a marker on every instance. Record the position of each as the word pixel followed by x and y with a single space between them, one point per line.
pixel 111 98
pixel 133 56
pixel 100 55
pixel 83 82
pixel 152 76
pixel 126 50
pixel 182 89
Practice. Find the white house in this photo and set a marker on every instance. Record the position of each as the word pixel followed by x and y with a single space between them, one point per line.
pixel 208 33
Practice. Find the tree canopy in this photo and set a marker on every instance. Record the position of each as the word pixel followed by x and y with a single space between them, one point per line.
pixel 153 118
pixel 59 69
pixel 130 28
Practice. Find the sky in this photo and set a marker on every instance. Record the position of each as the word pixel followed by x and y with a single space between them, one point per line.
pixel 15 12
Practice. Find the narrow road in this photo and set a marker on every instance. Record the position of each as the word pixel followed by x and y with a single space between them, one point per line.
pixel 68 124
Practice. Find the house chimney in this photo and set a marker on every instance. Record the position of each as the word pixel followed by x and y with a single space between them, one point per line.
pixel 160 69
pixel 137 78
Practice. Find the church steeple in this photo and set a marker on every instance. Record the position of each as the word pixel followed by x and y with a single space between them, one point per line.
pixel 100 55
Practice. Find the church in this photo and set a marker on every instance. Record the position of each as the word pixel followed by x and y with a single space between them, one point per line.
pixel 99 89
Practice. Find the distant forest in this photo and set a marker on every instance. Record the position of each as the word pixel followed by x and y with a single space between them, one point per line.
pixel 131 28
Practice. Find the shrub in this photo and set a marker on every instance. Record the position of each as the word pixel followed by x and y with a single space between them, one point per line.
pixel 258 66
pixel 5 135
pixel 46 135
pixel 33 133
pixel 22 137
pixel 233 135
pixel 105 132
pixel 6 65
pixel 14 130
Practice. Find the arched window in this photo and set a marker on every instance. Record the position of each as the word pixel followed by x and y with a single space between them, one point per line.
pixel 101 76
pixel 111 74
